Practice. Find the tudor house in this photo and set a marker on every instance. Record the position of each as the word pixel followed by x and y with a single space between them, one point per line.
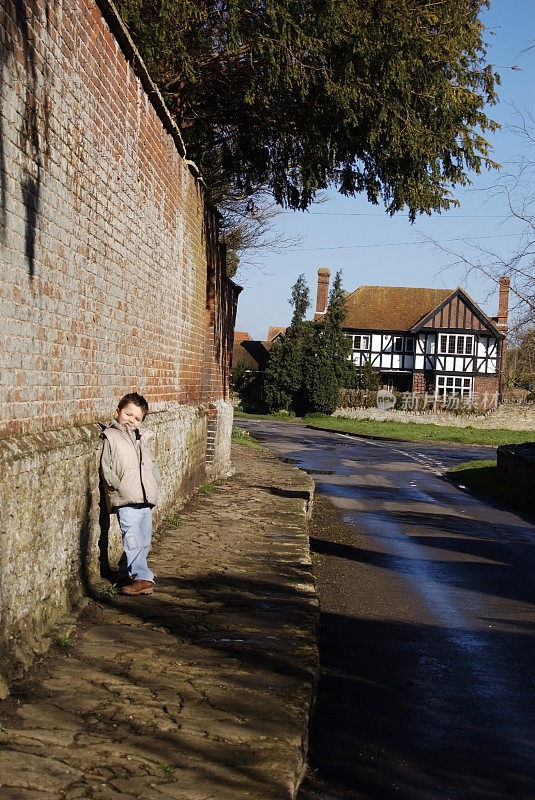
pixel 434 341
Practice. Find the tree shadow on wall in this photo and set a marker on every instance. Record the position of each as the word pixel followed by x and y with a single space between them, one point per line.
pixel 85 541
pixel 106 571
pixel 35 127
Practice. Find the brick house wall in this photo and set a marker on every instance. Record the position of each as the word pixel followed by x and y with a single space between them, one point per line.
pixel 112 281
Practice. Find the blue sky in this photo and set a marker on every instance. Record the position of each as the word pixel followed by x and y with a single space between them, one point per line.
pixel 372 248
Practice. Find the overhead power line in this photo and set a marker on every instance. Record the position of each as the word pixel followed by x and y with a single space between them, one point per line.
pixel 381 216
pixel 404 244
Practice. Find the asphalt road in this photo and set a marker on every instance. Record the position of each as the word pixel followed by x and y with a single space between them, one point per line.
pixel 427 626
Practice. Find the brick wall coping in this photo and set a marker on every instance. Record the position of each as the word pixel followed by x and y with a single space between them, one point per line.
pixel 524 451
pixel 132 55
pixel 31 444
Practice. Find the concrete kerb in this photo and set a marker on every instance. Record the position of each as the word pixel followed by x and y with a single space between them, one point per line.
pixel 201 691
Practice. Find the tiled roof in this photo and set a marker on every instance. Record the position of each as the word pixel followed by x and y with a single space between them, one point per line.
pixel 274 331
pixel 253 353
pixel 395 308
pixel 242 336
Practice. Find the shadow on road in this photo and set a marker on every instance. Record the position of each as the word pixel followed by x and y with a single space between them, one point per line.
pixel 416 710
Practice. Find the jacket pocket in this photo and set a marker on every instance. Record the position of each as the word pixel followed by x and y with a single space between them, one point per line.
pixel 129 490
pixel 151 487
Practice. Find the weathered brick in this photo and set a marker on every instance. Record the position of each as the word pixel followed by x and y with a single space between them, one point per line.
pixel 104 290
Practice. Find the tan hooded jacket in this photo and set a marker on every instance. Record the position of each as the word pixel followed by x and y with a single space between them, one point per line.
pixel 129 469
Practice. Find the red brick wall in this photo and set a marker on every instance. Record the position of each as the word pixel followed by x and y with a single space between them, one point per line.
pixel 486 388
pixel 418 382
pixel 103 236
pixel 112 280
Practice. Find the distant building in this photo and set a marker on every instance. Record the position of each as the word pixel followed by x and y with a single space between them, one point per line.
pixel 253 355
pixel 434 341
pixel 275 332
pixel 242 336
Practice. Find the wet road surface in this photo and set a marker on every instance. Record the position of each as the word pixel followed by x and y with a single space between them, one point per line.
pixel 427 625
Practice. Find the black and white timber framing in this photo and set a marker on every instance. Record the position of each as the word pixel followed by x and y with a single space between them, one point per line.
pixel 452 345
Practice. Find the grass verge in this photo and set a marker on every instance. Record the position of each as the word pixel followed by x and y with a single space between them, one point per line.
pixel 279 415
pixel 416 431
pixel 482 477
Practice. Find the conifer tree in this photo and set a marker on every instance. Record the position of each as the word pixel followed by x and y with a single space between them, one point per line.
pixel 283 378
pixel 381 97
pixel 327 368
pixel 321 388
pixel 309 366
pixel 338 346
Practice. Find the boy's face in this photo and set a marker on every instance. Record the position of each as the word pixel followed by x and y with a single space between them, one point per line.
pixel 130 415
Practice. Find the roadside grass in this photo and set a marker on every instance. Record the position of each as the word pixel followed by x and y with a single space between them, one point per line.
pixel 416 431
pixel 482 477
pixel 244 437
pixel 281 415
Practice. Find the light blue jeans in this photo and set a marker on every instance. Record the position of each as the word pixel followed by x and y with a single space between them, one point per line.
pixel 135 522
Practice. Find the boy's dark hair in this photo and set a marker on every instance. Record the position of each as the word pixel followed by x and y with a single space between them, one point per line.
pixel 137 400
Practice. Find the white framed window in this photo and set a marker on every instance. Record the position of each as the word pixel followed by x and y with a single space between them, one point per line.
pixel 456 344
pixel 360 342
pixel 402 344
pixel 448 385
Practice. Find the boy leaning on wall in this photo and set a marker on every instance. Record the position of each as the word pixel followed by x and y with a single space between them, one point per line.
pixel 131 477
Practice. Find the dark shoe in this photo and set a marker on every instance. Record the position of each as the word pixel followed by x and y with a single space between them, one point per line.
pixel 137 587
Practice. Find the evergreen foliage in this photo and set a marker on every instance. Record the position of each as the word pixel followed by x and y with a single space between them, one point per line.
pixel 309 365
pixel 384 97
pixel 365 378
pixel 321 388
pixel 337 346
pixel 239 377
pixel 283 378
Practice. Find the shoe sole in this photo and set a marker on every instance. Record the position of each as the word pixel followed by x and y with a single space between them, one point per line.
pixel 136 594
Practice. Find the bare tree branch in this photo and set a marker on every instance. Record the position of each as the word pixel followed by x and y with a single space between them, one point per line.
pixel 516 186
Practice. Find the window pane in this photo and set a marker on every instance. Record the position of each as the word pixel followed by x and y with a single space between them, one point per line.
pixel 451 344
pixel 460 345
pixel 468 345
pixel 443 344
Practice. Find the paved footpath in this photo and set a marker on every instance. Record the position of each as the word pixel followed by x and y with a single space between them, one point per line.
pixel 201 691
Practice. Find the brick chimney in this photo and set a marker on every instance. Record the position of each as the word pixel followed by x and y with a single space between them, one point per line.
pixel 322 297
pixel 502 325
pixel 503 305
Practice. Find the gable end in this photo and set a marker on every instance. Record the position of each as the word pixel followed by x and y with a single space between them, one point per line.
pixel 458 312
